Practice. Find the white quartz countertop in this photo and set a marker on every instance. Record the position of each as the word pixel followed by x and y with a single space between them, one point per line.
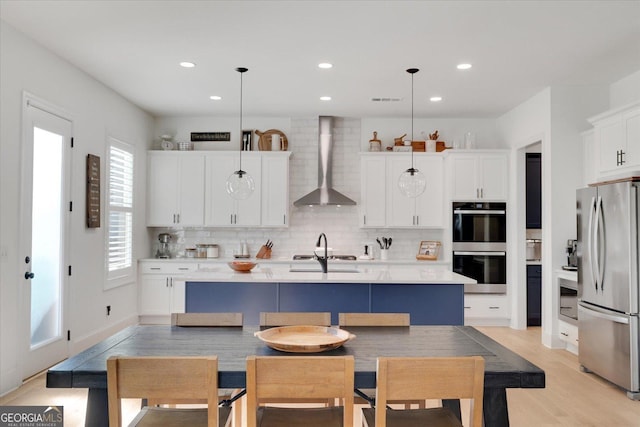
pixel 274 273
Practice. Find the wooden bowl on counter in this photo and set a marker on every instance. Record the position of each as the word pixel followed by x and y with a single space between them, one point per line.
pixel 242 266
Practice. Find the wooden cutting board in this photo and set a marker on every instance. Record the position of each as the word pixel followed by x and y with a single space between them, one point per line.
pixel 264 143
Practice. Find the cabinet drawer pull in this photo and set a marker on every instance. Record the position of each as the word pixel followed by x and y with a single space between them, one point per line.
pixel 564 334
pixel 467 307
pixel 155 268
pixel 183 268
pixel 493 307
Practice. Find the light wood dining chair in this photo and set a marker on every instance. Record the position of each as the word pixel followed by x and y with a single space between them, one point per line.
pixel 377 319
pixel 399 378
pixel 374 319
pixel 308 377
pixel 292 318
pixel 191 378
pixel 206 319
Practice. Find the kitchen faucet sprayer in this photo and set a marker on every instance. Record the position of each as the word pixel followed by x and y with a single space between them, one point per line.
pixel 322 260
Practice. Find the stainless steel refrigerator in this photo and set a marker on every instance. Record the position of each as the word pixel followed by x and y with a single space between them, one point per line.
pixel 608 283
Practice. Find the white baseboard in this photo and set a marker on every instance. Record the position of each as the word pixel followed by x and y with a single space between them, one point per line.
pixel 487 321
pixel 86 341
pixel 155 320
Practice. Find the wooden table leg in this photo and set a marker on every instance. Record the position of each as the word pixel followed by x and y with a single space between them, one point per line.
pixel 97 408
pixel 494 407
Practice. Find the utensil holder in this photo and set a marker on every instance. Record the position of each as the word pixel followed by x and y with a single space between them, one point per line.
pixel 264 253
pixel 384 254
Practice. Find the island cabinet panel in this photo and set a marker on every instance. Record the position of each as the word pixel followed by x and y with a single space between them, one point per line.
pixel 427 304
pixel 333 297
pixel 220 297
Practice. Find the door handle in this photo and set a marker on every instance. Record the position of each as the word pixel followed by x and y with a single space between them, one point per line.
pixel 29 275
pixel 592 208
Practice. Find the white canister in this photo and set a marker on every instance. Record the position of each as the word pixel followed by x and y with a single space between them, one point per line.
pixel 431 146
pixel 384 254
pixel 275 142
pixel 213 251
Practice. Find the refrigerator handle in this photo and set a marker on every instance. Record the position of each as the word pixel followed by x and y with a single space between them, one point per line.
pixel 600 248
pixel 592 264
pixel 602 314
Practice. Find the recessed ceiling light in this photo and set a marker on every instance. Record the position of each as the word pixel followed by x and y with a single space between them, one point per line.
pixel 187 64
pixel 435 99
pixel 463 66
pixel 325 65
pixel 215 97
pixel 325 98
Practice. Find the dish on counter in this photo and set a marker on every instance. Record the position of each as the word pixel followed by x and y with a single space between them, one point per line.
pixel 242 266
pixel 304 338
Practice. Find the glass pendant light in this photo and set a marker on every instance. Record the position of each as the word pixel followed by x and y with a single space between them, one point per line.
pixel 412 182
pixel 240 185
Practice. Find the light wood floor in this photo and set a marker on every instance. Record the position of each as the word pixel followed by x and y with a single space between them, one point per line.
pixel 571 398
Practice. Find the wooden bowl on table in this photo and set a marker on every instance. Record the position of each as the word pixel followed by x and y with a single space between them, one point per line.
pixel 242 266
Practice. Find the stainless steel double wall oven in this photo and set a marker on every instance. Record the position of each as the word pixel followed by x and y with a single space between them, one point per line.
pixel 480 245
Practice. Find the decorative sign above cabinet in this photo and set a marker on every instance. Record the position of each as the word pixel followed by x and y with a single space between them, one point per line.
pixel 210 136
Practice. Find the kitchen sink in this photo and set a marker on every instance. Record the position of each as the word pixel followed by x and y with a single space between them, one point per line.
pixel 318 270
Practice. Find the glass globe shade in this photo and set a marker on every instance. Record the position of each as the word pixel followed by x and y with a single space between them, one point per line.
pixel 412 183
pixel 240 185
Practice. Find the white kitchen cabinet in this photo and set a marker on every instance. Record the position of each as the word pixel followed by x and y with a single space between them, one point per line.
pixel 486 309
pixel 161 290
pixel 383 205
pixel 175 189
pixel 479 175
pixel 275 189
pixel 373 187
pixel 221 210
pixel 569 334
pixel 426 210
pixel 617 139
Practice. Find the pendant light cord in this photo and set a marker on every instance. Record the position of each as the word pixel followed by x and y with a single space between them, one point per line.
pixel 412 71
pixel 241 70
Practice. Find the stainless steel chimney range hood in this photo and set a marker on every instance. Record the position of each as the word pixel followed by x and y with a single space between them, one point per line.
pixel 324 195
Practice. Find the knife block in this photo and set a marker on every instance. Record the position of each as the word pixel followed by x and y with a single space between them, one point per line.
pixel 264 253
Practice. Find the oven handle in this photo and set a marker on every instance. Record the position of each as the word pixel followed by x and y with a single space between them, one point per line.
pixel 477 212
pixel 480 253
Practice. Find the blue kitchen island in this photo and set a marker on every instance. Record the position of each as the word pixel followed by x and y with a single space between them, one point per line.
pixel 433 295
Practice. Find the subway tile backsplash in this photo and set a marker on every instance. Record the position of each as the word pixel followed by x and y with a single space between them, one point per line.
pixel 340 224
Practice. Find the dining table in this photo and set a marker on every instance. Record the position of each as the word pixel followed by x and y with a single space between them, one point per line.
pixel 504 369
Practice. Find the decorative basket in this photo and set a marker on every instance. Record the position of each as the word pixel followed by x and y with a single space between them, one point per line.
pixel 185 146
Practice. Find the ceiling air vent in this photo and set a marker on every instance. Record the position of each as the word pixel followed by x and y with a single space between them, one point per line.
pixel 378 99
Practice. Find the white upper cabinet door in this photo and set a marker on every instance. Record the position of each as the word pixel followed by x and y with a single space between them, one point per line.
pixel 175 189
pixel 493 182
pixel 373 185
pixel 162 189
pixel 220 208
pixel 479 176
pixel 430 204
pixel 632 127
pixel 464 177
pixel 275 189
pixel 610 136
pixel 400 208
pixel 191 211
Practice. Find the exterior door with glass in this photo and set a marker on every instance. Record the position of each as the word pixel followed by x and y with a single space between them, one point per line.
pixel 44 235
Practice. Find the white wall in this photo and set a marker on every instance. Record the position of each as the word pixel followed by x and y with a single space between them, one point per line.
pixel 97 112
pixel 556 117
pixel 625 91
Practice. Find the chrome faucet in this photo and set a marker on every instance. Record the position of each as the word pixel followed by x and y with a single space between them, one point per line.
pixel 322 260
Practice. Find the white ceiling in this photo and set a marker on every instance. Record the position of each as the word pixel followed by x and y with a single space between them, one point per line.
pixel 517 48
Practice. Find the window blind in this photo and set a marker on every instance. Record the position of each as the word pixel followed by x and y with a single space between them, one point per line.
pixel 120 221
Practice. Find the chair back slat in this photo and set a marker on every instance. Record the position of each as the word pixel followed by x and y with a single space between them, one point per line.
pixel 295 318
pixel 206 319
pixel 374 319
